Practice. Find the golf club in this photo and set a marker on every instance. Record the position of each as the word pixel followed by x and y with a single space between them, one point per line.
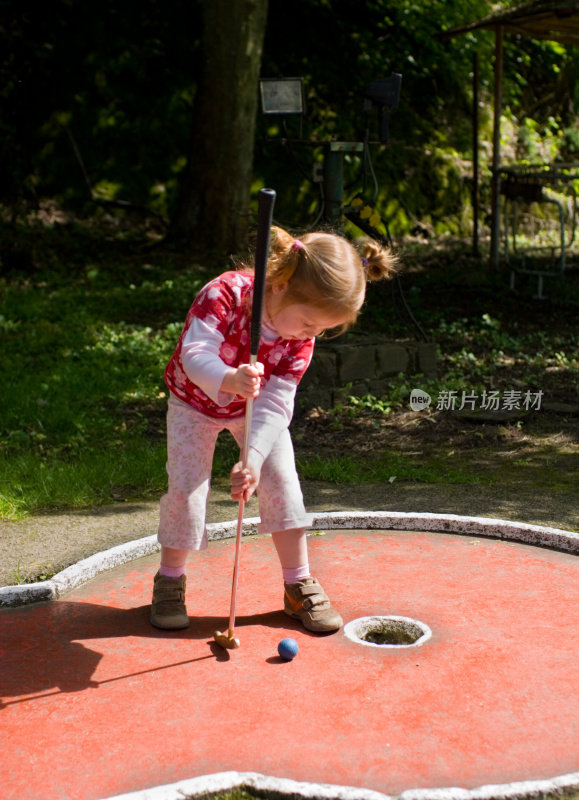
pixel 266 200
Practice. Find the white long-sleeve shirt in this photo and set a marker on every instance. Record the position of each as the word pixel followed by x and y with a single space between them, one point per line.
pixel 272 409
pixel 214 339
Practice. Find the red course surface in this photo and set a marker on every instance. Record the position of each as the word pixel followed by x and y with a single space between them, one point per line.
pixel 95 702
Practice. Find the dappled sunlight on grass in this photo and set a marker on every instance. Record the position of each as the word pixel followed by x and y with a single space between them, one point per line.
pixel 91 319
pixel 102 477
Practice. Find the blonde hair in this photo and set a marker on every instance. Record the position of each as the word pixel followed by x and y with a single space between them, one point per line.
pixel 326 271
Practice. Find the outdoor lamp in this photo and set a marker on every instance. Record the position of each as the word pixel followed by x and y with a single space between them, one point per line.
pixel 282 95
pixel 384 93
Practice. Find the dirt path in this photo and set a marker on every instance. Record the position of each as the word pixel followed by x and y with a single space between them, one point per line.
pixel 521 471
pixel 42 545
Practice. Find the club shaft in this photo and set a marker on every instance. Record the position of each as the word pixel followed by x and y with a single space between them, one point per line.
pixel 266 202
pixel 244 453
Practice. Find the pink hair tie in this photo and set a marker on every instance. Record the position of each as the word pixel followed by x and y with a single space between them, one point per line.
pixel 297 245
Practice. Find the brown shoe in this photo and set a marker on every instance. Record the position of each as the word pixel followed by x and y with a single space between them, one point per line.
pixel 307 601
pixel 168 609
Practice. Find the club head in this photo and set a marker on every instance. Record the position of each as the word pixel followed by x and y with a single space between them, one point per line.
pixel 226 640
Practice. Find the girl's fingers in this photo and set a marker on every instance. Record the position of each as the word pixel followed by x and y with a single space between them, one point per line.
pixel 241 483
pixel 251 378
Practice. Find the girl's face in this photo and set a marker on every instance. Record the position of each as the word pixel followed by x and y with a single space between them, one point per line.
pixel 297 320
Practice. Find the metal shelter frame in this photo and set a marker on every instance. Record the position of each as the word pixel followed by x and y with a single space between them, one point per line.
pixel 554 20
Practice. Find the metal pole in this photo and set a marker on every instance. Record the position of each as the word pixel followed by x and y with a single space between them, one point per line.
pixel 496 187
pixel 333 184
pixel 475 194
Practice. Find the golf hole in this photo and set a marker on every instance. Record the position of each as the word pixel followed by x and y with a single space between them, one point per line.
pixel 387 631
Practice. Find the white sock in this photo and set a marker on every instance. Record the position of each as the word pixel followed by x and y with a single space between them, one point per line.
pixel 295 574
pixel 172 572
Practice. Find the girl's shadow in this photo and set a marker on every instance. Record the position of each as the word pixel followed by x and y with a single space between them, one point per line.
pixel 41 653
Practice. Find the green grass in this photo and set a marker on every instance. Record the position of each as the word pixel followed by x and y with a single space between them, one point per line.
pixel 248 793
pixel 84 346
pixel 239 793
pixel 79 391
pixel 384 468
pixel 88 321
pixel 132 471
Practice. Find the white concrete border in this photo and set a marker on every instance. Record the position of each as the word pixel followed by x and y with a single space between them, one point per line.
pixel 207 785
pixel 83 571
pixel 253 782
pixel 69 578
pixel 553 538
pixel 263 785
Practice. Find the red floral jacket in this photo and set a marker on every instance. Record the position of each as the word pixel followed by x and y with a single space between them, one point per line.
pixel 225 303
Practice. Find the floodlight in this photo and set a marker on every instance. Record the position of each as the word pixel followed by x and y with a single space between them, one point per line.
pixel 282 95
pixel 385 94
pixel 386 91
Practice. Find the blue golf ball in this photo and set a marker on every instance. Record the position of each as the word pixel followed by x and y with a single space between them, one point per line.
pixel 288 649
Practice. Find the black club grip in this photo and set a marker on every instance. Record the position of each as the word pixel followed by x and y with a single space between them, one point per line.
pixel 266 201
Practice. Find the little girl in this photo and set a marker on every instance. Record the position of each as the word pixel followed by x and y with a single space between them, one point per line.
pixel 311 285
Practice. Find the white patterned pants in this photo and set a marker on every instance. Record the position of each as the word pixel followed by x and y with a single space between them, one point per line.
pixel 191 439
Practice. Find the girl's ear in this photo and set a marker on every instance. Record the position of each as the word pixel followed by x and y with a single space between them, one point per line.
pixel 279 289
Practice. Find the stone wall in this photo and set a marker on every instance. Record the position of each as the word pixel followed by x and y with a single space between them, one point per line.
pixel 338 370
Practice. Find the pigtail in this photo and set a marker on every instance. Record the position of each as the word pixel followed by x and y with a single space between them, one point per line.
pixel 326 271
pixel 281 240
pixel 378 262
pixel 285 253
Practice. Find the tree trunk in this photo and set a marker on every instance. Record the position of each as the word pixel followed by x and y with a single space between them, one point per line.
pixel 213 206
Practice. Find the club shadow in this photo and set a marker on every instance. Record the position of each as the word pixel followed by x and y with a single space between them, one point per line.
pixel 42 650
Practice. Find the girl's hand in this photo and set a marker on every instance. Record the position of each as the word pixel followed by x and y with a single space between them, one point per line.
pixel 244 482
pixel 243 381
